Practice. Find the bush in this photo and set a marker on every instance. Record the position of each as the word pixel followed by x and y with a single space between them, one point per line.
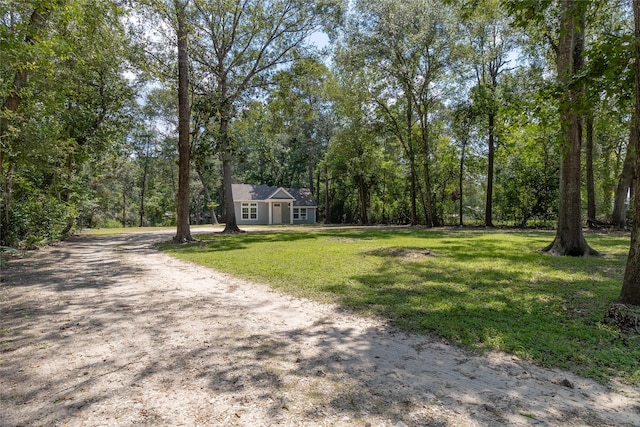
pixel 34 218
pixel 111 223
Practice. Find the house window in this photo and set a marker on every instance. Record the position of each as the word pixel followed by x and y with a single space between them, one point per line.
pixel 249 211
pixel 300 213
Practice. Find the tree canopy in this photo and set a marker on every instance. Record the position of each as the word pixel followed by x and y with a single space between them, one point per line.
pixel 487 112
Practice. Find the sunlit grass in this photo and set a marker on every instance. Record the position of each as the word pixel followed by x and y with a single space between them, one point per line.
pixel 481 289
pixel 124 230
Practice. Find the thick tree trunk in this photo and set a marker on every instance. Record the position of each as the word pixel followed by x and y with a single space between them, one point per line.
pixel 630 293
pixel 231 225
pixel 569 238
pixel 619 216
pixel 183 232
pixel 591 188
pixel 488 211
pixel 230 222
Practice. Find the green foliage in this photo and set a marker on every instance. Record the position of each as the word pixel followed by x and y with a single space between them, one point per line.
pixel 528 192
pixel 37 218
pixel 111 223
pixel 484 290
pixel 70 110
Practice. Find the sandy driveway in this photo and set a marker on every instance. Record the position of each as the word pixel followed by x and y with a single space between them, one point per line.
pixel 107 331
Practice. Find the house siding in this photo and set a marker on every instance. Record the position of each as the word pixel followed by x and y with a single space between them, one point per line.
pixel 311 216
pixel 265 197
pixel 263 214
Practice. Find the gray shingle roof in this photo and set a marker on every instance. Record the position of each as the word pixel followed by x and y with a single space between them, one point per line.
pixel 251 192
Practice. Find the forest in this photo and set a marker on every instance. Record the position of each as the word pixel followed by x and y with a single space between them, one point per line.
pixel 421 112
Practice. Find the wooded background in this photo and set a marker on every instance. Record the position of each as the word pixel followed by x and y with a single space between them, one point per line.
pixel 513 112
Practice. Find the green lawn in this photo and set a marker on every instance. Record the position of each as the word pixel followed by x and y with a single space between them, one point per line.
pixel 481 289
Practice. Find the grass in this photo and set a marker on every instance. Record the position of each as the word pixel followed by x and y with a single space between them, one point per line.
pixel 124 230
pixel 485 290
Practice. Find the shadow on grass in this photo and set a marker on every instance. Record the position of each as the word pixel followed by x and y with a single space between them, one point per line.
pixel 487 295
pixel 132 346
pixel 219 242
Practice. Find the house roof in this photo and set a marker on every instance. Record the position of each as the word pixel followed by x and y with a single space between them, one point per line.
pixel 262 193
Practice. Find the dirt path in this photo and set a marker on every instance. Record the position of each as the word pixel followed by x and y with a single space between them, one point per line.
pixel 107 331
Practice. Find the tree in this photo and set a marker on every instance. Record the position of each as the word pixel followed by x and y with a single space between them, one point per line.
pixel 567 42
pixel 240 45
pixel 619 215
pixel 630 293
pixel 569 238
pixel 62 110
pixel 407 46
pixel 463 117
pixel 183 232
pixel 491 40
pixel 23 38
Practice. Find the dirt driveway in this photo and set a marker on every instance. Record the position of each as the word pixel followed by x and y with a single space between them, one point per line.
pixel 108 331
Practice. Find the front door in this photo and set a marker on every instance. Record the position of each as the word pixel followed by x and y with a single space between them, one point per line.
pixel 277 213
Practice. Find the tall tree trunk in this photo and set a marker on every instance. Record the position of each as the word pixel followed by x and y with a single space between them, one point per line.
pixel 619 216
pixel 460 180
pixel 591 189
pixel 231 225
pixel 630 293
pixel 310 164
pixel 569 239
pixel 183 232
pixel 488 211
pixel 316 193
pixel 364 217
pixel 327 200
pixel 143 184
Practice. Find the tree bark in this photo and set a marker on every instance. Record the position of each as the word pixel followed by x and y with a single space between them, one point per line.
pixel 619 216
pixel 569 239
pixel 231 225
pixel 143 184
pixel 364 217
pixel 630 293
pixel 591 189
pixel 327 201
pixel 460 181
pixel 183 232
pixel 488 211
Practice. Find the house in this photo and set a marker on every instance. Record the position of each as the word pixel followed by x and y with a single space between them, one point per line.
pixel 263 204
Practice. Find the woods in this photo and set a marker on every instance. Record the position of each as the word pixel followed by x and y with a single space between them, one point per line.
pixel 421 112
